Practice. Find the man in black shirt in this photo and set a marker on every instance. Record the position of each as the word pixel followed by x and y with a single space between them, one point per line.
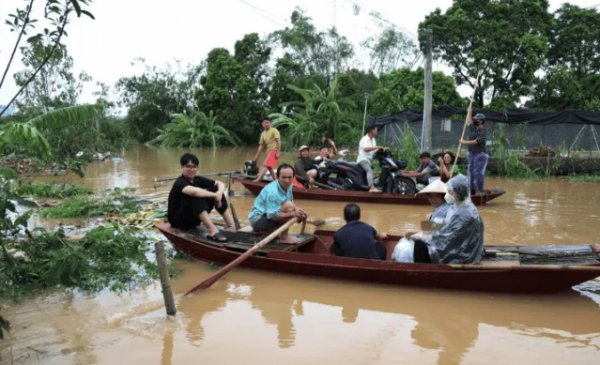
pixel 357 239
pixel 193 197
pixel 478 158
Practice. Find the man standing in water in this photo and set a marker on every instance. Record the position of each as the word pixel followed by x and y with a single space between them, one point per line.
pixel 366 150
pixel 275 205
pixel 193 197
pixel 270 141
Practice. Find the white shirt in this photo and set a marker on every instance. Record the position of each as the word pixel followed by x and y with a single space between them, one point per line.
pixel 366 141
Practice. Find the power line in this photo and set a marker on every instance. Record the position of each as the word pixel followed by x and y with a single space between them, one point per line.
pixel 267 15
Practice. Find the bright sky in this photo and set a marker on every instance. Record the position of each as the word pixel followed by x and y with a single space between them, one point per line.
pixel 161 31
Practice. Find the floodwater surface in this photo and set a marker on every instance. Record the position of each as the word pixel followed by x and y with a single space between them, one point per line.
pixel 256 317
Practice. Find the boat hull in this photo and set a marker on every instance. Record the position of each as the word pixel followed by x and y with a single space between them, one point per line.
pixel 361 196
pixel 505 280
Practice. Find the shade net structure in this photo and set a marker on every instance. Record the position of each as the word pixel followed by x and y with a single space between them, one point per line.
pixel 568 132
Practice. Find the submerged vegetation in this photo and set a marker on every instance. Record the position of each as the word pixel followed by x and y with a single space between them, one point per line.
pixel 108 256
pixel 81 206
pixel 585 178
pixel 51 190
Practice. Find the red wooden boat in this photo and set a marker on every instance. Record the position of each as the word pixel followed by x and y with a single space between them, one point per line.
pixel 361 196
pixel 516 269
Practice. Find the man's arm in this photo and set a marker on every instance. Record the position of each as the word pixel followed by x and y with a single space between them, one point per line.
pixel 219 194
pixel 299 166
pixel 369 149
pixel 198 192
pixel 334 148
pixel 260 149
pixel 278 154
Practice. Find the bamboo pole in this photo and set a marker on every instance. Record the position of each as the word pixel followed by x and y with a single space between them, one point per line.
pixel 165 283
pixel 469 112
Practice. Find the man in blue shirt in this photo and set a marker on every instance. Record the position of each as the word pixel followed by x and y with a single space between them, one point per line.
pixel 357 239
pixel 275 205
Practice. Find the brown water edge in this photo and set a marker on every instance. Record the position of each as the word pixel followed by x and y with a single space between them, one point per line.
pixel 256 317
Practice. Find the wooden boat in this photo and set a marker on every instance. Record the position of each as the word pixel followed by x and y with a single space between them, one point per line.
pixel 361 196
pixel 514 269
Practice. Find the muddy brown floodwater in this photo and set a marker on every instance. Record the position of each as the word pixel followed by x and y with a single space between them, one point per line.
pixel 256 317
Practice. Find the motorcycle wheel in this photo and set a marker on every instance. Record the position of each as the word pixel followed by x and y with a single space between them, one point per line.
pixel 405 185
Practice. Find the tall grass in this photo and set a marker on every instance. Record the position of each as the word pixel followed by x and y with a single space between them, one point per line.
pixel 507 162
pixel 409 149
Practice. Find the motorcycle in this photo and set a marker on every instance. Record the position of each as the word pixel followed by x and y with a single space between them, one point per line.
pixel 350 176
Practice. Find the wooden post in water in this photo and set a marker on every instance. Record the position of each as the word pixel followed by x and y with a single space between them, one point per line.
pixel 165 283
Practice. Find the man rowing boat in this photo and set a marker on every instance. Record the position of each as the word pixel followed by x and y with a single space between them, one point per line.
pixel 275 205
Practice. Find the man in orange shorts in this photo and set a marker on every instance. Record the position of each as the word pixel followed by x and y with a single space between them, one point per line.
pixel 271 143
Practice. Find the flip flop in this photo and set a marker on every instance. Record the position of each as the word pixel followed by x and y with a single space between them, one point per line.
pixel 218 237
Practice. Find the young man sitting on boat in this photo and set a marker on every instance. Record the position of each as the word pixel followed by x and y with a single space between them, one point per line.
pixel 275 205
pixel 427 169
pixel 460 240
pixel 357 239
pixel 306 167
pixel 193 197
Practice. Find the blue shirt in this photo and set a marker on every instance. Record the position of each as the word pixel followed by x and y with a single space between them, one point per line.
pixel 356 239
pixel 269 201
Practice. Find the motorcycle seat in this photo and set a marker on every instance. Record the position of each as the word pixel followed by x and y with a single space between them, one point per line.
pixel 350 164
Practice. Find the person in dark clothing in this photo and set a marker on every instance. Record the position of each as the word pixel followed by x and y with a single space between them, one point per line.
pixel 478 158
pixel 357 239
pixel 426 170
pixel 306 167
pixel 193 197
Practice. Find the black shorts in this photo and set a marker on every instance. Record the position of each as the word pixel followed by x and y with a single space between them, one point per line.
pixel 189 215
pixel 264 224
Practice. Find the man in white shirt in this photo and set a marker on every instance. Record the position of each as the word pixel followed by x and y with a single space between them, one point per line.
pixel 366 150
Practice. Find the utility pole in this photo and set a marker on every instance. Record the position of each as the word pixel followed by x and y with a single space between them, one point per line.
pixel 426 137
pixel 365 116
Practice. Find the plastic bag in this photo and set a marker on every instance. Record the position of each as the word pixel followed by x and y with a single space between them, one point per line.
pixel 404 251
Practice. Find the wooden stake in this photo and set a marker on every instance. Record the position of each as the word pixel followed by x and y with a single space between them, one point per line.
pixel 165 283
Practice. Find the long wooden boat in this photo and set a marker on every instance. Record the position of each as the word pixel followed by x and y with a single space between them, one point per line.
pixel 361 196
pixel 515 269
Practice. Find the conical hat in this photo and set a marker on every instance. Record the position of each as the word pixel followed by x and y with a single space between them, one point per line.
pixel 437 187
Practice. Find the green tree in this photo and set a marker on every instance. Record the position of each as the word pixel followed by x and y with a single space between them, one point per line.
pixel 505 40
pixel 389 50
pixel 575 39
pixel 403 89
pixel 232 95
pixel 54 87
pixel 156 94
pixel 320 113
pixel 325 53
pixel 30 136
pixel 198 130
pixel 561 88
pixel 57 16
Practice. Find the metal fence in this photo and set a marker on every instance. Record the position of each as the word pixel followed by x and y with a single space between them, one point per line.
pixel 567 139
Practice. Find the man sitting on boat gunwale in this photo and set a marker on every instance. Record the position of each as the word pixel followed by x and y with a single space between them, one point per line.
pixel 275 205
pixel 461 239
pixel 192 198
pixel 306 167
pixel 357 239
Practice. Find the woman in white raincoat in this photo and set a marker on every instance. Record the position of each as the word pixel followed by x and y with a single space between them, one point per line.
pixel 461 239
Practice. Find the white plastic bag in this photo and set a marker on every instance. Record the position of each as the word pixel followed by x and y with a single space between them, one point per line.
pixel 404 251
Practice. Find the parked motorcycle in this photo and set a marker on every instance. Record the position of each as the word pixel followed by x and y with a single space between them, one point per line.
pixel 350 176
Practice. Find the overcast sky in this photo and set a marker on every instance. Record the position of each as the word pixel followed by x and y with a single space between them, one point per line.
pixel 161 31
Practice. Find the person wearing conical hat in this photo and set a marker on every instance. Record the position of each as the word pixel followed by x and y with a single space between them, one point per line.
pixel 435 194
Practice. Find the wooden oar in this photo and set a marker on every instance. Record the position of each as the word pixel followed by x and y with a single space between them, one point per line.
pixel 211 280
pixel 469 112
